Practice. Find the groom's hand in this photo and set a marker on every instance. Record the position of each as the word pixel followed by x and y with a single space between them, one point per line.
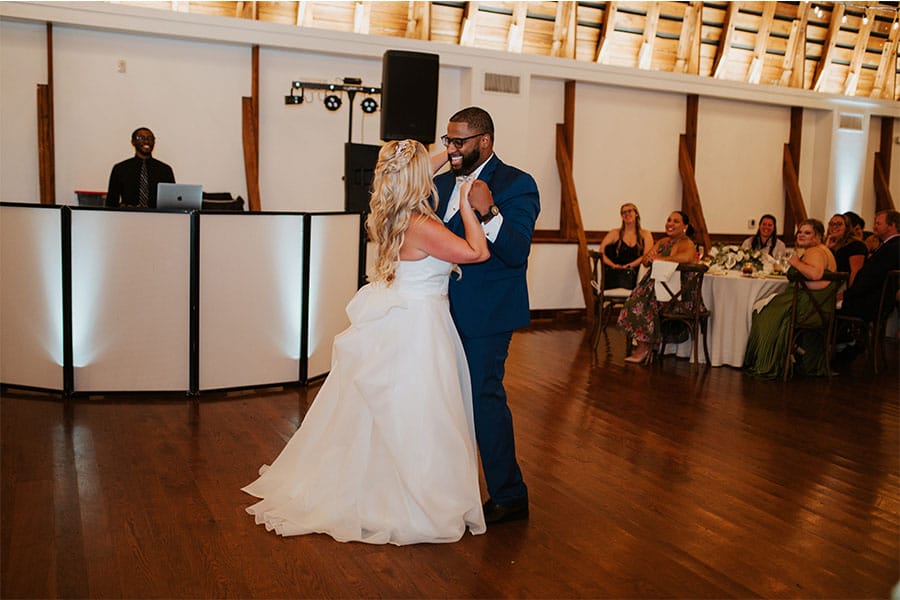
pixel 480 197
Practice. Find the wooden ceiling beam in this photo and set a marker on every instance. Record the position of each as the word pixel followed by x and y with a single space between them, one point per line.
pixel 362 17
pixel 564 30
pixel 516 35
pixel 859 51
pixel 887 65
pixel 418 20
pixel 687 58
pixel 793 68
pixel 469 24
pixel 651 23
pixel 608 27
pixel 724 47
pixel 822 68
pixel 762 41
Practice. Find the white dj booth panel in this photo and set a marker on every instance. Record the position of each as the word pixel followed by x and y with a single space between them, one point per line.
pixel 31 297
pixel 130 300
pixel 251 292
pixel 333 280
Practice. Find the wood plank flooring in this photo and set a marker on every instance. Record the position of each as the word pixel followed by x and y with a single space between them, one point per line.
pixel 657 481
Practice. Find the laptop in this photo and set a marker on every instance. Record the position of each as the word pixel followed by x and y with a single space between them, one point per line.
pixel 179 196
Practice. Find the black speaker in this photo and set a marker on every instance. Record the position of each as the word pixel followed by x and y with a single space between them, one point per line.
pixel 359 170
pixel 409 91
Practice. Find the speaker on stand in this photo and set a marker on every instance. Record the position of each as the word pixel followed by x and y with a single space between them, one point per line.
pixel 409 92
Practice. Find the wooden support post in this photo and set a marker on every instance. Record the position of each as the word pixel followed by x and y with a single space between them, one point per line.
pixel 46 138
pixel 250 135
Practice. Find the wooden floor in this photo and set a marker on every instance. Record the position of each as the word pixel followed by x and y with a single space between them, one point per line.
pixel 645 482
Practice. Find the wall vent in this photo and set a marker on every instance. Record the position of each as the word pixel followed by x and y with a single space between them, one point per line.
pixel 850 122
pixel 504 84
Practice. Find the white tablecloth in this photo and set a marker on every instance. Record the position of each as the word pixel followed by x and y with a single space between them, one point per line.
pixel 729 298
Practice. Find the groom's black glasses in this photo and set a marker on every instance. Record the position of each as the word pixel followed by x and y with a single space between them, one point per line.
pixel 458 142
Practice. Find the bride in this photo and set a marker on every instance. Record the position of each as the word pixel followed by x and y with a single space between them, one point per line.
pixel 386 453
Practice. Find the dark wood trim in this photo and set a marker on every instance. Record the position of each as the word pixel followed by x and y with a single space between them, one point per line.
pixel 794 207
pixel 46 144
pixel 250 134
pixel 882 167
pixel 567 182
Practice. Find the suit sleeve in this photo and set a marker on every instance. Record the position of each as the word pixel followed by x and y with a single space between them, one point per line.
pixel 516 195
pixel 114 189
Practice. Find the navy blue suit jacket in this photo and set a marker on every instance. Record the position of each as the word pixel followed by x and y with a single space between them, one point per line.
pixel 492 297
pixel 861 298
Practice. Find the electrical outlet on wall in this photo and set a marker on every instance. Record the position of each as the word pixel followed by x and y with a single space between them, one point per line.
pixel 121 66
pixel 751 223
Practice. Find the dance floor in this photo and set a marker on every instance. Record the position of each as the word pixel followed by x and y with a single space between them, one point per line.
pixel 658 481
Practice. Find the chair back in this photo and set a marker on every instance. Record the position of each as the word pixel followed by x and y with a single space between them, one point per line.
pixel 823 307
pixel 691 292
pixel 888 299
pixel 686 306
pixel 820 318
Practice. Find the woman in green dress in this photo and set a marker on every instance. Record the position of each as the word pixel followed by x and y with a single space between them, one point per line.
pixel 770 331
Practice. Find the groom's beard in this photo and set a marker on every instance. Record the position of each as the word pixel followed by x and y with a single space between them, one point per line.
pixel 469 161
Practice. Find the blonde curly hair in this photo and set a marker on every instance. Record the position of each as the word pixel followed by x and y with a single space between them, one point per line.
pixel 401 190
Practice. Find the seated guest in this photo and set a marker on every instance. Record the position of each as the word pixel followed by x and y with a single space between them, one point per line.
pixel 132 182
pixel 623 248
pixel 640 316
pixel 858 224
pixel 766 239
pixel 849 252
pixel 861 298
pixel 770 330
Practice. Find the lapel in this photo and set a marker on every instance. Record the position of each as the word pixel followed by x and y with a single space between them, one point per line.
pixel 445 184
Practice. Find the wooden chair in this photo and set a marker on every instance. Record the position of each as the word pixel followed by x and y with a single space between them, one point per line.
pixel 871 333
pixel 697 319
pixel 821 319
pixel 607 302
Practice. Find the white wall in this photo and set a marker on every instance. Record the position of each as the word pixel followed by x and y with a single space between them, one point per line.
pixel 188 93
pixel 739 158
pixel 23 65
pixel 626 150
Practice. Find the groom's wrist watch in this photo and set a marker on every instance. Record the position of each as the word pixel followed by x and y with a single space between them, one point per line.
pixel 492 212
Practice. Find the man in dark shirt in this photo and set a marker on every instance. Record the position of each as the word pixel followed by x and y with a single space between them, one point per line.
pixel 861 298
pixel 133 182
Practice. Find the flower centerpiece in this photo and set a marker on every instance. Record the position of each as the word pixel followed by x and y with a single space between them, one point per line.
pixel 724 257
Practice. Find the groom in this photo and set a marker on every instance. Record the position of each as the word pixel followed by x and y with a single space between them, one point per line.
pixel 490 300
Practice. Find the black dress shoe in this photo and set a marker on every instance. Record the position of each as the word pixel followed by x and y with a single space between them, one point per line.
pixel 501 513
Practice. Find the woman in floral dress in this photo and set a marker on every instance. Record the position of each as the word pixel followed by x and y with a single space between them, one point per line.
pixel 640 317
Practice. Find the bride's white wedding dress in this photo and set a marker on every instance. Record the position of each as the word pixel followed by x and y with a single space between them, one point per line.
pixel 386 453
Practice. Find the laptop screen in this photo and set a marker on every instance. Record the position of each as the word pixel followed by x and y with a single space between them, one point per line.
pixel 179 196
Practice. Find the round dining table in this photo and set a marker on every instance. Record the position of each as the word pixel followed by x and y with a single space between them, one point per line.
pixel 730 296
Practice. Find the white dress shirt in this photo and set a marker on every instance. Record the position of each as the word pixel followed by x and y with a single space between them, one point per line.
pixel 492 227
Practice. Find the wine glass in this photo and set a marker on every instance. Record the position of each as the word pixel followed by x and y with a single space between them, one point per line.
pixel 699 253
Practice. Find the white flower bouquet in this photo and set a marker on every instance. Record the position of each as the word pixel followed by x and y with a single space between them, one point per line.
pixel 724 257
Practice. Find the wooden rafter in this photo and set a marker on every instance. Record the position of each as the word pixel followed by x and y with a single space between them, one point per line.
pixel 689 40
pixel 560 28
pixel 469 24
pixel 762 38
pixel 862 43
pixel 888 64
pixel 828 50
pixel 725 40
pixel 362 17
pixel 609 20
pixel 516 35
pixel 645 54
pixel 304 14
pixel 793 66
pixel 418 20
